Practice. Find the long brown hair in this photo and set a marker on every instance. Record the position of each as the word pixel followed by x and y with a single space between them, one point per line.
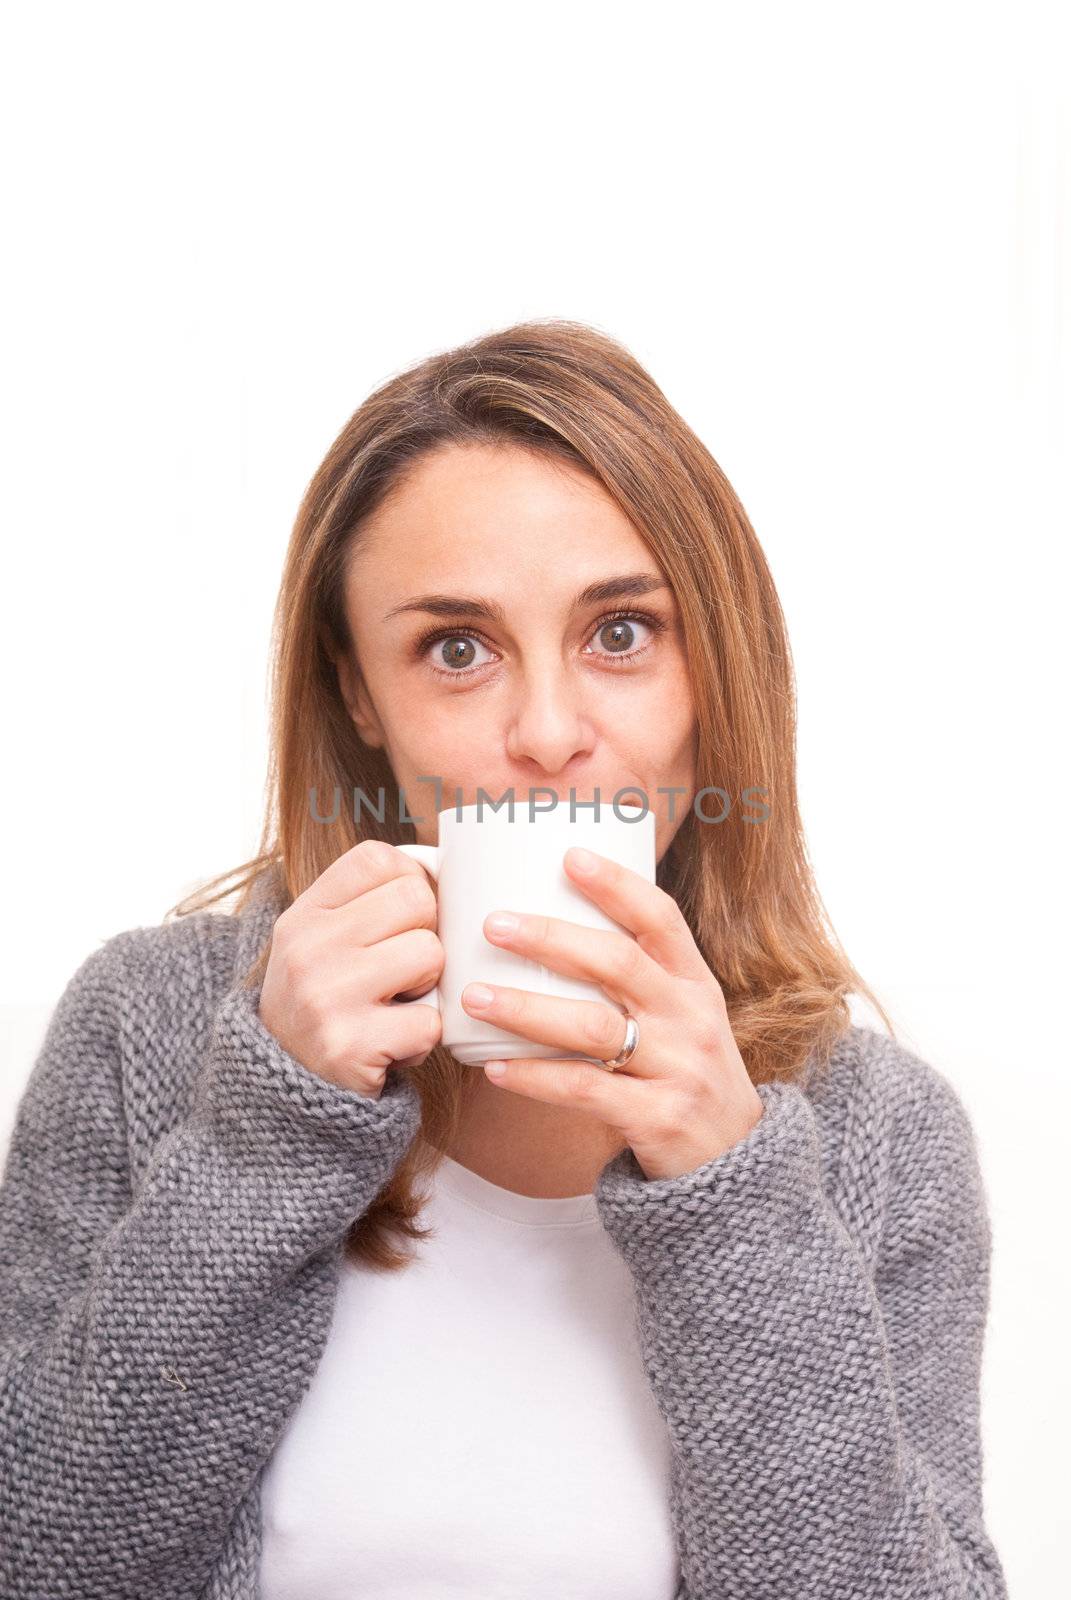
pixel 746 889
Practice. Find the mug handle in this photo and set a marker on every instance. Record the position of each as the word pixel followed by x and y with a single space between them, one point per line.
pixel 428 857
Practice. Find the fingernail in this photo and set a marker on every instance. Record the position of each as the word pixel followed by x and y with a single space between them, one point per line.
pixel 502 922
pixel 494 1069
pixel 477 994
pixel 583 860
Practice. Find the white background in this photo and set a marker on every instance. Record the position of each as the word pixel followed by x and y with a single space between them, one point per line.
pixel 837 235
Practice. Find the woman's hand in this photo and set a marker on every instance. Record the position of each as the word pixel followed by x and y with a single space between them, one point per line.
pixel 364 932
pixel 684 1096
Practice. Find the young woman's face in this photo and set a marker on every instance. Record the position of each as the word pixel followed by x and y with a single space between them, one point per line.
pixel 482 662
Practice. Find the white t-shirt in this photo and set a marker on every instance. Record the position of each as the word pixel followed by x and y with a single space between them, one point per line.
pixel 480 1423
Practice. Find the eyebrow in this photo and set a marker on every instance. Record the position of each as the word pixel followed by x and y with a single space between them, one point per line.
pixel 628 585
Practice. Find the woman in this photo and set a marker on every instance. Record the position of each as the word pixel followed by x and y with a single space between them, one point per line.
pixel 294 1304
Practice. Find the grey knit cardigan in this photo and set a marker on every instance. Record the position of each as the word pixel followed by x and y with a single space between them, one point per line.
pixel 810 1305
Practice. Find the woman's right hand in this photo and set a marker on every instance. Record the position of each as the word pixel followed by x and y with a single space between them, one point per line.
pixel 362 933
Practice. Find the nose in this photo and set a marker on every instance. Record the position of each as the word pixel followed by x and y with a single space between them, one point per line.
pixel 548 725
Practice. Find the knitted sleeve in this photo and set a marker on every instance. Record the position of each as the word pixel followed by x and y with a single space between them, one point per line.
pixel 153 1343
pixel 824 1416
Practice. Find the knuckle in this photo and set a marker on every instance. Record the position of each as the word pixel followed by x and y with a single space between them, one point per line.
pixel 714 1014
pixel 433 1028
pixel 517 1005
pixel 414 1028
pixel 426 947
pixel 677 1112
pixel 296 961
pixel 628 961
pixel 672 908
pixel 427 942
pixel 604 1031
pixel 710 1036
pixel 375 853
pixel 334 1047
pixel 665 1123
pixel 582 1083
pixel 316 1013
pixel 284 930
pixel 418 895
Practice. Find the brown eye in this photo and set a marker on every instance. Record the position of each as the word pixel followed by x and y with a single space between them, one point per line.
pixel 451 652
pixel 457 652
pixel 616 636
pixel 617 639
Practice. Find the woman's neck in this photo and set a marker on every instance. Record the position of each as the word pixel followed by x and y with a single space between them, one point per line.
pixel 528 1146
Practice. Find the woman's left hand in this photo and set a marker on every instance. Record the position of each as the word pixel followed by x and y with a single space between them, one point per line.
pixel 684 1096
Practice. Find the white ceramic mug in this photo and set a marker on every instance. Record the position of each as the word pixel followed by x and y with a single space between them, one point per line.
pixel 487 861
